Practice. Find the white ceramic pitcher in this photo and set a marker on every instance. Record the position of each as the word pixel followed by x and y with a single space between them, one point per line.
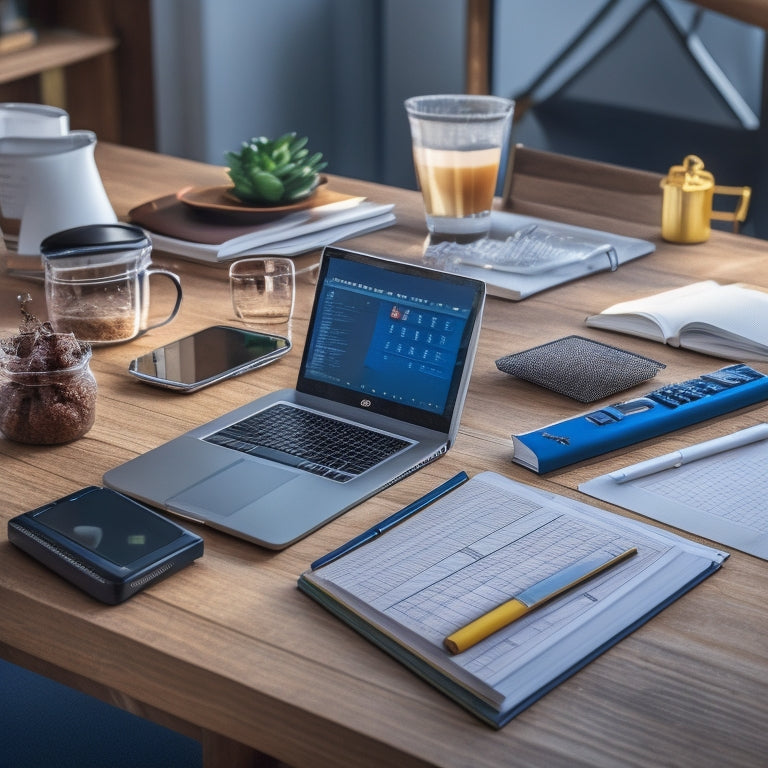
pixel 50 184
pixel 20 119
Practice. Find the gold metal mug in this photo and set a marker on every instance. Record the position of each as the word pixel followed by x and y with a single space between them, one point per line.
pixel 687 204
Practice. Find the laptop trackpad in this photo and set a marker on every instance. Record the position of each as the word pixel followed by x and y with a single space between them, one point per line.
pixel 232 488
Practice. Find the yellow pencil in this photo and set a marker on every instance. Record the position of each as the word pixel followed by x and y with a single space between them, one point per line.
pixel 529 599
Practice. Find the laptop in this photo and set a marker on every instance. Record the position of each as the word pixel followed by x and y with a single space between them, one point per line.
pixel 385 371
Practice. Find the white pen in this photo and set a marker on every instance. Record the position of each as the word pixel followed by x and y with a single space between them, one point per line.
pixel 648 467
pixel 691 453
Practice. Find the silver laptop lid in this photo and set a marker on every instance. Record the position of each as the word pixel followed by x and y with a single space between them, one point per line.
pixel 392 338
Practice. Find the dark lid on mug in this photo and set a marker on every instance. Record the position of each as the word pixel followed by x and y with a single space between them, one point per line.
pixel 94 238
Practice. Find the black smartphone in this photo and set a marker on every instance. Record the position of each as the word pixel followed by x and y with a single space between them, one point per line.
pixel 106 544
pixel 207 357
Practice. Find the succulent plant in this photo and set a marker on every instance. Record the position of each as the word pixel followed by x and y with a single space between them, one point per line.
pixel 275 171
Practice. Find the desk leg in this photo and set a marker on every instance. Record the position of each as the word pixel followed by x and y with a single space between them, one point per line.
pixel 221 752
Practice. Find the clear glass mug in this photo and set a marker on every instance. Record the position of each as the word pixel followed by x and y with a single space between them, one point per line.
pixel 97 283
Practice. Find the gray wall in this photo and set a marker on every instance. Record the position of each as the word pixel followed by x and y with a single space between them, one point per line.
pixel 227 70
pixel 334 70
pixel 339 70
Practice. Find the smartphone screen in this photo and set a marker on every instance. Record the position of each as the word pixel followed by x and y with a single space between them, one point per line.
pixel 208 356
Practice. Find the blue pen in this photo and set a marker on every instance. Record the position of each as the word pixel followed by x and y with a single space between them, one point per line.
pixel 392 520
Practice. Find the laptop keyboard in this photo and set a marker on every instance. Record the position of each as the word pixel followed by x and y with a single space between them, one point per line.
pixel 319 444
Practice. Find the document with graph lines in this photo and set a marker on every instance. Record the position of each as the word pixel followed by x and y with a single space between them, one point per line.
pixel 483 544
pixel 716 489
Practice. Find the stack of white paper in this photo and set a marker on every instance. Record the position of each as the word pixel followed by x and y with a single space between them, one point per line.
pixel 288 236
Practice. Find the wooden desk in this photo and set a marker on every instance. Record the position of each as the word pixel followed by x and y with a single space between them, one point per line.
pixel 230 652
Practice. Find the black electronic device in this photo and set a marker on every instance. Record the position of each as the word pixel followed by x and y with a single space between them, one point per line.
pixel 104 543
pixel 207 357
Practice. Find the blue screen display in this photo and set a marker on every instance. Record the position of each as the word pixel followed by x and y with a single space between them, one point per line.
pixel 390 334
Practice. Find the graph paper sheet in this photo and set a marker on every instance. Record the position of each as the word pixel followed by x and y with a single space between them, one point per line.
pixel 721 495
pixel 485 542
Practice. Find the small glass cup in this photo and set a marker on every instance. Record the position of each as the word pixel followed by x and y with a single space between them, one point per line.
pixel 263 292
pixel 457 146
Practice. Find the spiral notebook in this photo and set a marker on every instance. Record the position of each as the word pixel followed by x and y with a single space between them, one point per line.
pixel 608 252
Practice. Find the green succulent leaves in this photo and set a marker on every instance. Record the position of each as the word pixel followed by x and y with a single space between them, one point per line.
pixel 269 171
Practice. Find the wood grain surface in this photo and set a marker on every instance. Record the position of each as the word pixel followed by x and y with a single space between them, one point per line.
pixel 230 652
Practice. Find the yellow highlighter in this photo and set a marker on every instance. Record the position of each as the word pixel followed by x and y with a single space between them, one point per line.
pixel 529 599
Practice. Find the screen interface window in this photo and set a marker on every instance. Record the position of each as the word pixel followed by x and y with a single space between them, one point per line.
pixel 389 335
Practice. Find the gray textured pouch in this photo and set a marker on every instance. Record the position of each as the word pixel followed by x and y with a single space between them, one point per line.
pixel 580 368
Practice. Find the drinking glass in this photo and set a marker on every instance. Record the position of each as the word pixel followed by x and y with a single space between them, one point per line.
pixel 263 291
pixel 457 145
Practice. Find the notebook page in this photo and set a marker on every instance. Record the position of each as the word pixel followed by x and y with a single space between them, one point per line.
pixel 721 496
pixel 669 311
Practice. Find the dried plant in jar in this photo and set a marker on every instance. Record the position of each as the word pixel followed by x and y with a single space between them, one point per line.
pixel 47 390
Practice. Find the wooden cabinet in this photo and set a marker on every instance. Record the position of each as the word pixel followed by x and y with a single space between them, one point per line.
pixel 92 58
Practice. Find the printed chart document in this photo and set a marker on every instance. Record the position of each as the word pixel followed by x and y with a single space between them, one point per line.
pixel 716 489
pixel 729 321
pixel 520 285
pixel 482 544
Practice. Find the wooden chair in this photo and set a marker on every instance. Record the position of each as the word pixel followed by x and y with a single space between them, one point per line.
pixel 547 184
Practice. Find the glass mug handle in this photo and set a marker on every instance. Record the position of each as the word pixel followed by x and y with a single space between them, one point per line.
pixel 148 274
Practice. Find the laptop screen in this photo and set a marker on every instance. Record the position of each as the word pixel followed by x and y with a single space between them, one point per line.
pixel 389 337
